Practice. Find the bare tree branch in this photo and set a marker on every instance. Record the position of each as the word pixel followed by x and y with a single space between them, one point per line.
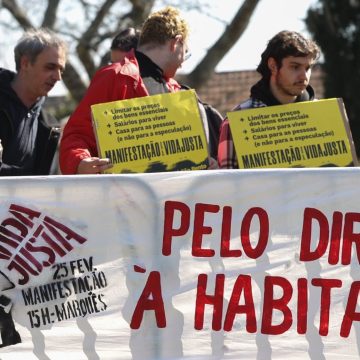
pixel 50 14
pixel 84 46
pixel 330 18
pixel 226 41
pixel 141 9
pixel 103 19
pixel 18 13
pixel 74 82
pixel 88 44
pixel 71 76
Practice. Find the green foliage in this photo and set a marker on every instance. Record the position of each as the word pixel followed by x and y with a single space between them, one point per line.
pixel 335 25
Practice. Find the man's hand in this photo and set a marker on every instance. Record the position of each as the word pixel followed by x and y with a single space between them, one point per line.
pixel 93 165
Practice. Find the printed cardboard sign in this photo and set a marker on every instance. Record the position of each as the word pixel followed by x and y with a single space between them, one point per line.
pixel 152 134
pixel 304 134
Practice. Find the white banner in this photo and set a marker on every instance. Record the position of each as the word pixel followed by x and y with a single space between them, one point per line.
pixel 228 264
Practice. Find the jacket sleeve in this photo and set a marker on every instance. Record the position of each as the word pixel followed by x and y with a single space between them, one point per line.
pixel 78 139
pixel 13 170
pixel 47 139
pixel 214 119
pixel 226 151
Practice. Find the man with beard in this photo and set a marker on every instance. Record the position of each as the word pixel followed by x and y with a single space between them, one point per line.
pixel 285 67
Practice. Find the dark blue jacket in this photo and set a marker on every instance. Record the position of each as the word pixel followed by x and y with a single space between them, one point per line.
pixel 29 143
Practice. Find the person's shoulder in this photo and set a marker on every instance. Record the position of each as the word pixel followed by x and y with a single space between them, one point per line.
pixel 250 103
pixel 6 71
pixel 2 71
pixel 129 67
pixel 125 68
pixel 113 68
pixel 213 113
pixel 247 104
pixel 6 76
pixel 8 97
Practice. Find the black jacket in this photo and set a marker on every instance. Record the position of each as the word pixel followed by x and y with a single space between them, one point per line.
pixel 261 92
pixel 214 120
pixel 29 142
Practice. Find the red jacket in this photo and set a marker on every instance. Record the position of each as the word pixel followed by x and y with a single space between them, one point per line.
pixel 117 81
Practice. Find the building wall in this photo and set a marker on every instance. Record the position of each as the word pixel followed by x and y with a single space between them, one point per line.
pixel 225 90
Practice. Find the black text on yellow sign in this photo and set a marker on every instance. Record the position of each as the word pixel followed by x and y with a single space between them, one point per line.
pixel 150 134
pixel 305 134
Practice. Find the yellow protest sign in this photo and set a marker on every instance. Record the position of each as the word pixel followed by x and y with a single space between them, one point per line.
pixel 304 134
pixel 153 133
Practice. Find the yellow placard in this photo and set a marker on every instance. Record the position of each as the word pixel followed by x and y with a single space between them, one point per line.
pixel 151 134
pixel 304 134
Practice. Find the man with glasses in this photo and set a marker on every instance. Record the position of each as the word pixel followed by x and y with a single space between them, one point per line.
pixel 147 70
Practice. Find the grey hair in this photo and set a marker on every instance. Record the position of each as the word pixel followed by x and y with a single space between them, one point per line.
pixel 33 42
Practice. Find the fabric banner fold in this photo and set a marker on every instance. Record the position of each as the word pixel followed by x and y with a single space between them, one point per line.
pixel 252 264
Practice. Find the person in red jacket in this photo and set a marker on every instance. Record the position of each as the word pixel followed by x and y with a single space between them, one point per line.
pixel 148 70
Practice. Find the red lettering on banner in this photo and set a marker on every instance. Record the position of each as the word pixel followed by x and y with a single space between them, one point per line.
pixel 270 304
pixel 22 239
pixel 61 233
pixel 225 250
pixel 10 226
pixel 263 232
pixel 302 306
pixel 24 215
pixel 350 237
pixel 24 268
pixel 326 286
pixel 169 231
pixel 336 229
pixel 200 229
pixel 350 311
pixel 8 235
pixel 215 300
pixel 243 282
pixel 306 254
pixel 152 289
pixel 312 215
pixel 243 285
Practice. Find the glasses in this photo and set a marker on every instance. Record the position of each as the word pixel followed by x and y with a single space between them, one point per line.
pixel 187 55
pixel 187 52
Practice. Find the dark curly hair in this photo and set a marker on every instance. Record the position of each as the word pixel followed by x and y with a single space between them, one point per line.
pixel 283 44
pixel 126 40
